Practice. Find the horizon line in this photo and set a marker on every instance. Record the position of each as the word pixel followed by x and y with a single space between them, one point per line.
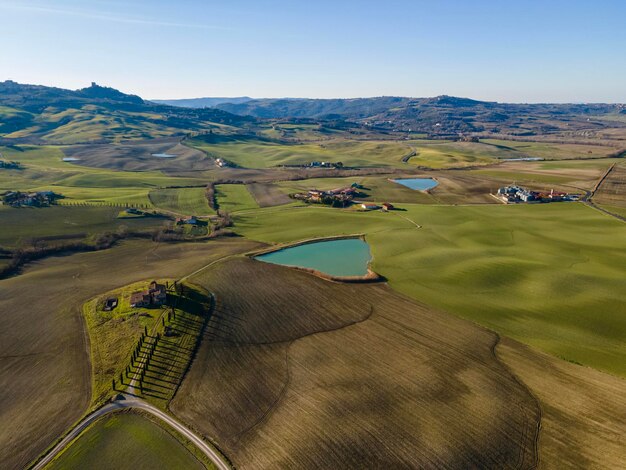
pixel 617 103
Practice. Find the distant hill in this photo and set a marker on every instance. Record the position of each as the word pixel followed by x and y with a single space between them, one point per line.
pixel 40 114
pixel 203 102
pixel 441 115
pixel 314 108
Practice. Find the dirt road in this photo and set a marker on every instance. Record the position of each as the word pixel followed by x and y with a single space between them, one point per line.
pixel 125 402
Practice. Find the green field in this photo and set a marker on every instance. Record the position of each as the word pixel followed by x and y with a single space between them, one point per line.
pixel 234 197
pixel 44 169
pixel 251 153
pixel 126 441
pixel 28 223
pixel 614 209
pixel 257 153
pixel 548 275
pixel 184 201
pixel 548 151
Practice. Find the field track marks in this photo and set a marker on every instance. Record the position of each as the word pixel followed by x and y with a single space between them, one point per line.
pixel 430 339
pixel 410 220
pixel 283 391
pixel 285 387
pixel 601 180
pixel 537 419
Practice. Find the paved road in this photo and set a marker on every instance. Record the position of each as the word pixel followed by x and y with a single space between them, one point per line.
pixel 136 403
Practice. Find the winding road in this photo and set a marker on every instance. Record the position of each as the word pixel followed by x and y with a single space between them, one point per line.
pixel 130 402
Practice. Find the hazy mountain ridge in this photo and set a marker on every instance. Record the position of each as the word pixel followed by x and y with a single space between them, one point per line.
pixel 439 115
pixel 207 102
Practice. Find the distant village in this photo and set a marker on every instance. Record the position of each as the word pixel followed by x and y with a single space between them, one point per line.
pixel 517 194
pixel 32 199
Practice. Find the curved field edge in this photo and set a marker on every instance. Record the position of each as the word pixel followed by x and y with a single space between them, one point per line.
pixel 371 276
pixel 583 418
pixel 347 375
pixel 547 275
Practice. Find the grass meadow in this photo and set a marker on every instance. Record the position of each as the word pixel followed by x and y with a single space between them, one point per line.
pixel 234 197
pixel 250 153
pixel 257 153
pixel 126 440
pixel 28 223
pixel 548 275
pixel 184 201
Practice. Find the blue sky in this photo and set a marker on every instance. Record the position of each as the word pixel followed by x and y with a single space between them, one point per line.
pixel 516 51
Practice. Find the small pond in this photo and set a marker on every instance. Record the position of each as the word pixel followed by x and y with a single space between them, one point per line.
pixel 418 184
pixel 163 155
pixel 71 159
pixel 347 257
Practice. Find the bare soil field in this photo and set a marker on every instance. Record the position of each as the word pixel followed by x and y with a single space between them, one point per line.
pixel 268 195
pixel 463 187
pixel 45 374
pixel 612 191
pixel 295 371
pixel 583 421
pixel 138 156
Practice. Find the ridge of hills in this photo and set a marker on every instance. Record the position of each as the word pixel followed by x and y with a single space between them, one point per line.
pixel 41 114
pixel 36 114
pixel 440 115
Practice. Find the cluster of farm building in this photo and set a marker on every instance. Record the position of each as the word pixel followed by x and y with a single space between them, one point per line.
pixel 517 194
pixel 341 197
pixel 154 296
pixel 316 164
pixel 33 199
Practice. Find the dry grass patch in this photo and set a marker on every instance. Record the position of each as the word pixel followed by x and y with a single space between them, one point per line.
pixel 612 191
pixel 268 194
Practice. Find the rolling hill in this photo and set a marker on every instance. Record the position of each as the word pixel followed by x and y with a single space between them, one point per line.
pixel 441 115
pixel 40 114
pixel 203 102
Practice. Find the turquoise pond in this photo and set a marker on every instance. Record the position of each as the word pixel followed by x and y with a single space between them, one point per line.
pixel 347 257
pixel 419 184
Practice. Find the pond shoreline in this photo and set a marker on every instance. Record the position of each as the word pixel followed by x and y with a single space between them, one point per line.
pixel 371 276
pixel 404 180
